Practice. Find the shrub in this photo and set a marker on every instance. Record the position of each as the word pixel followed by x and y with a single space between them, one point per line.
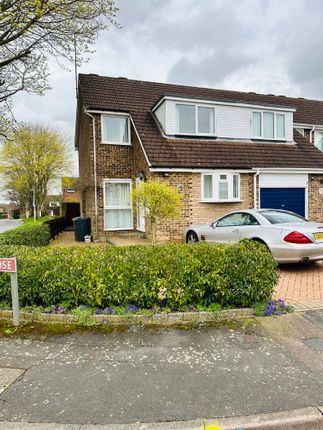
pixel 27 235
pixel 180 275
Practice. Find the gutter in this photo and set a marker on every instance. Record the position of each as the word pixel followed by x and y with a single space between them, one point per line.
pixel 94 174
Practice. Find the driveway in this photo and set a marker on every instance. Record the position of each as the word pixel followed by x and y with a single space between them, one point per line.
pixel 9 224
pixel 301 285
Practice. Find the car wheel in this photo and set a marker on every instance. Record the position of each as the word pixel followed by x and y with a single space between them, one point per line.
pixel 191 237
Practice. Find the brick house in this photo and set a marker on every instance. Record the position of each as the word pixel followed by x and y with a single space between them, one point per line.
pixel 224 150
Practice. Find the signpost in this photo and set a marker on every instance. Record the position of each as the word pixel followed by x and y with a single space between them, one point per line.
pixel 9 265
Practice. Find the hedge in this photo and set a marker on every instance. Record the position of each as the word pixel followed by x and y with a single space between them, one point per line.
pixel 27 235
pixel 177 275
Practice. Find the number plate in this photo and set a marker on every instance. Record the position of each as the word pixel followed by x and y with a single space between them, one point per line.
pixel 318 236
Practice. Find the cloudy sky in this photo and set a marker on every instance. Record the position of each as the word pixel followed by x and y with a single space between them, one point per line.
pixel 270 46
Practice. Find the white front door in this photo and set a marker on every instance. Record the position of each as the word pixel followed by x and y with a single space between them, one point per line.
pixel 141 222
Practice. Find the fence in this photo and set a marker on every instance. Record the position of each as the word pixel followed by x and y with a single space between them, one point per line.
pixel 56 225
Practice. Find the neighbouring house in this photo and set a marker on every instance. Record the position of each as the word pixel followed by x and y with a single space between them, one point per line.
pixel 224 150
pixel 53 204
pixel 70 199
pixel 9 210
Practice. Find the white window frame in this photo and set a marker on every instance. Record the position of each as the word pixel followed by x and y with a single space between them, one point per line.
pixel 106 206
pixel 215 187
pixel 284 139
pixel 196 106
pixel 116 115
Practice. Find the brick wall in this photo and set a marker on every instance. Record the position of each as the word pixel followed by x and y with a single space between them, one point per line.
pixel 193 211
pixel 113 162
pixel 315 199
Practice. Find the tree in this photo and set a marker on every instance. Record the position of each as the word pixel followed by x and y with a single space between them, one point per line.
pixel 33 30
pixel 160 200
pixel 31 162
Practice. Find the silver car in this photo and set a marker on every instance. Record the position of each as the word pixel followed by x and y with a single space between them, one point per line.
pixel 289 236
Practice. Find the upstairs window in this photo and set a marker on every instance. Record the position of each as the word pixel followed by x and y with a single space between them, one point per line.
pixel 195 120
pixel 220 187
pixel 268 125
pixel 318 139
pixel 115 129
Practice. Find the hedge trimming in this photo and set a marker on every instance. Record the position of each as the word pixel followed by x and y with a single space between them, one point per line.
pixel 236 275
pixel 27 235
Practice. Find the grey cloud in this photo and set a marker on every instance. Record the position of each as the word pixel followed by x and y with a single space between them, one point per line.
pixel 208 26
pixel 208 71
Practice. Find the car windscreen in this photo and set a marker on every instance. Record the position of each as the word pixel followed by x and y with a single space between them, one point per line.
pixel 280 217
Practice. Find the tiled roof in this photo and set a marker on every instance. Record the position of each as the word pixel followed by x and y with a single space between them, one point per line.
pixel 138 98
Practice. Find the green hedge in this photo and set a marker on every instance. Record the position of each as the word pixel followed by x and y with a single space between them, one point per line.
pixel 232 275
pixel 26 235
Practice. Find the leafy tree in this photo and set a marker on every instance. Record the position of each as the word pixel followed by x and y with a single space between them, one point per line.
pixel 33 30
pixel 32 161
pixel 160 200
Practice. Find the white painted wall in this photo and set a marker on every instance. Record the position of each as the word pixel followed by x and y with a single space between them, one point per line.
pixel 231 122
pixel 290 180
pixel 160 113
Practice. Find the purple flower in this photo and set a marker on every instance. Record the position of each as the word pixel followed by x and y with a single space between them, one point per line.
pixel 154 310
pixel 103 321
pixel 109 310
pixel 100 311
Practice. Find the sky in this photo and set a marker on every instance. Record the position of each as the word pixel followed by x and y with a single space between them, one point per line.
pixel 267 46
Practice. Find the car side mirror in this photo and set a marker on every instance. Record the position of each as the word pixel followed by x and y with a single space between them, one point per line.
pixel 213 225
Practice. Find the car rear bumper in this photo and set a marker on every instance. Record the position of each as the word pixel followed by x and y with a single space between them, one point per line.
pixel 294 253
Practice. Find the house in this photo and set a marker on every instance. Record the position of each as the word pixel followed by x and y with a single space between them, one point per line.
pixel 70 199
pixel 53 204
pixel 224 150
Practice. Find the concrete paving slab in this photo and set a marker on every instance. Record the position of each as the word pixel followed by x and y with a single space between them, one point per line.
pixel 8 376
pixel 282 420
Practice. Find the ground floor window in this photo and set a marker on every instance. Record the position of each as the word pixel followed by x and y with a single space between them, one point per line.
pixel 117 204
pixel 220 187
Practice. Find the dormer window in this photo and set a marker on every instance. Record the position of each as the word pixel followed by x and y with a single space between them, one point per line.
pixel 195 119
pixel 268 125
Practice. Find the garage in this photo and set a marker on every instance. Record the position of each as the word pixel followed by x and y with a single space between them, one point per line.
pixel 283 191
pixel 290 199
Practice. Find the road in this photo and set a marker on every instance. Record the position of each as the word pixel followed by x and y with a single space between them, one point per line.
pixel 161 375
pixel 9 224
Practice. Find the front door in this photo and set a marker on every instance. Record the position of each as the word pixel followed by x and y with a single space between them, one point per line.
pixel 141 222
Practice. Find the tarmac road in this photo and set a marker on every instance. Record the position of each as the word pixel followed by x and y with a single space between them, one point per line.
pixel 164 375
pixel 9 224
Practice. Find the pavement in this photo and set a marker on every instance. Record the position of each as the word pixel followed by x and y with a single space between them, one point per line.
pixel 167 377
pixel 9 224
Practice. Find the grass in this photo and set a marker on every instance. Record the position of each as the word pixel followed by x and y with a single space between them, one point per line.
pixel 30 220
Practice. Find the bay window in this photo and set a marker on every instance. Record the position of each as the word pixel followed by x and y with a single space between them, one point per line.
pixel 220 187
pixel 117 204
pixel 115 129
pixel 195 119
pixel 268 125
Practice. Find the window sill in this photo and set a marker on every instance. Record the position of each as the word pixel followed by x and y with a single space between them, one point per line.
pixel 268 139
pixel 116 143
pixel 119 229
pixel 221 201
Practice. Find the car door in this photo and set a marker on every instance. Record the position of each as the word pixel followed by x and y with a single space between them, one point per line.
pixel 227 229
pixel 250 228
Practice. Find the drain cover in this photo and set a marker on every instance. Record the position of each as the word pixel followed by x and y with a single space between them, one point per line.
pixel 314 343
